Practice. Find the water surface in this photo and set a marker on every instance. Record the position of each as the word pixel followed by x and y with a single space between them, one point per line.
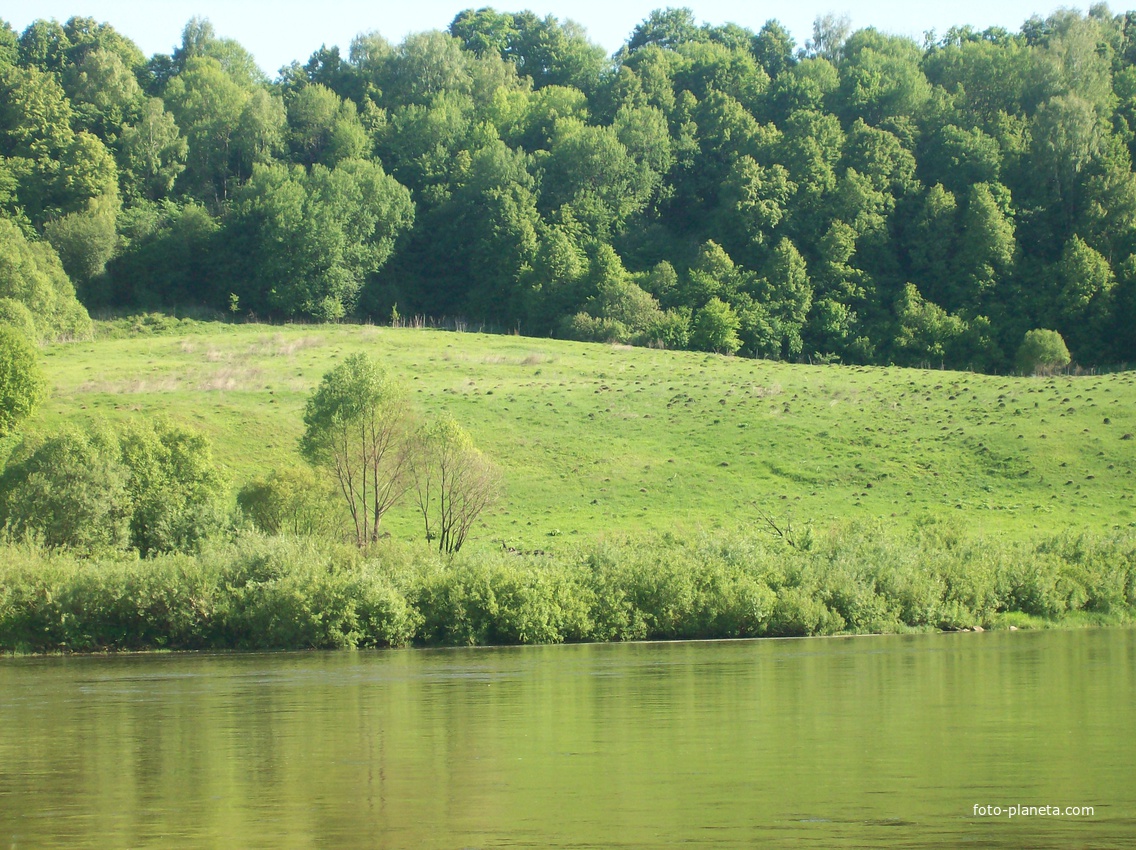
pixel 849 742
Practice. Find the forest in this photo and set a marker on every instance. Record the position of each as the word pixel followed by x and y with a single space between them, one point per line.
pixel 859 198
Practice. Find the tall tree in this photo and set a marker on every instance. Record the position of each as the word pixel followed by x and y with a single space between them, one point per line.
pixel 356 428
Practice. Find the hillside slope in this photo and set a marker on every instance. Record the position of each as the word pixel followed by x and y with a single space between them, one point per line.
pixel 595 438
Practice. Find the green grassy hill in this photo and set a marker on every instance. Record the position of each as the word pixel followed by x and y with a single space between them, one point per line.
pixel 595 438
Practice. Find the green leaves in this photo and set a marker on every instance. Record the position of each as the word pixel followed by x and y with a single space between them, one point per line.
pixel 150 486
pixel 356 427
pixel 339 226
pixel 22 386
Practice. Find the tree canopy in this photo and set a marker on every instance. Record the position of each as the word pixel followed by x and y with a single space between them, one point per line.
pixel 868 198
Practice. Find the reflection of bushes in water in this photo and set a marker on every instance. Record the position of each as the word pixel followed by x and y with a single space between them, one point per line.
pixel 288 592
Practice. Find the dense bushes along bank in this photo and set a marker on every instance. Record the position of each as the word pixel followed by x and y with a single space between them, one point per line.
pixel 259 592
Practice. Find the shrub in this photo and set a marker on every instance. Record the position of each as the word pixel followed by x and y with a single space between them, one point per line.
pixel 1042 351
pixel 15 315
pixel 22 387
pixel 715 328
pixel 291 501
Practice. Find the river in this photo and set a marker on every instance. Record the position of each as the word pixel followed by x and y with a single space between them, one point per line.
pixel 840 742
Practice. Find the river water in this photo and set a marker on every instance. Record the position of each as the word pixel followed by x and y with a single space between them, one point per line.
pixel 842 742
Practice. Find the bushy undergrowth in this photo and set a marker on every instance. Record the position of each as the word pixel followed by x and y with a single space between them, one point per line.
pixel 287 592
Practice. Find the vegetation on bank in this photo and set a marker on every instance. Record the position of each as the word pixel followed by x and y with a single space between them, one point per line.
pixel 125 531
pixel 284 592
pixel 858 197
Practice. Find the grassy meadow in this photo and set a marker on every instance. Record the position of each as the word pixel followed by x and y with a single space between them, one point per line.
pixel 596 439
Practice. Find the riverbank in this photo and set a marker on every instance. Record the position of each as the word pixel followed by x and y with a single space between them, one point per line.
pixel 258 592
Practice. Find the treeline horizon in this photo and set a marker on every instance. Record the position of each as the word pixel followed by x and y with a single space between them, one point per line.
pixel 858 198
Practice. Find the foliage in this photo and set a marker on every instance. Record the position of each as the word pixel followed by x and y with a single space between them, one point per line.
pixel 453 481
pixel 340 225
pixel 175 487
pixel 355 428
pixel 508 172
pixel 294 501
pixel 69 491
pixel 715 328
pixel 153 487
pixel 1042 351
pixel 291 593
pixel 31 274
pixel 22 386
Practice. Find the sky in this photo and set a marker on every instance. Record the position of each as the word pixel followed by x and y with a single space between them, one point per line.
pixel 284 30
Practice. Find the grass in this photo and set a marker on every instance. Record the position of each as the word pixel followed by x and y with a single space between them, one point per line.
pixel 596 439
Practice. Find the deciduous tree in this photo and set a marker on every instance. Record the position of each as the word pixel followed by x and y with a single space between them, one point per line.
pixel 356 428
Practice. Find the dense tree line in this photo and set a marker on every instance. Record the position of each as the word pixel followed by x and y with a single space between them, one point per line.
pixel 862 198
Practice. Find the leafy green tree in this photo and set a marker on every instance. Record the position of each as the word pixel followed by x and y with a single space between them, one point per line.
pixel 713 274
pixel 926 333
pixel 151 153
pixel 804 86
pixel 56 170
pixel 591 171
pixel 200 40
pixel 555 283
pixel 453 481
pixel 175 488
pixel 787 295
pixel 811 149
pixel 715 328
pixel 340 225
pixel 706 67
pixel 623 311
pixel 774 48
pixel 323 128
pixel 881 157
pixel 22 386
pixel 44 45
pixel 68 491
pixel 85 240
pixel 104 92
pixel 931 244
pixel 151 486
pixel 16 316
pixel 958 158
pixel 555 53
pixel 484 31
pixel 486 238
pixel 424 65
pixel 9 45
pixel 986 247
pixel 1066 135
pixel 356 429
pixel 1082 286
pixel 31 273
pixel 229 126
pixel 667 28
pixel 172 255
pixel 86 36
pixel 881 77
pixel 1041 351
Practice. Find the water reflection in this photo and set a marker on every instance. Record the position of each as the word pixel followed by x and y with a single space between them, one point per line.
pixel 841 742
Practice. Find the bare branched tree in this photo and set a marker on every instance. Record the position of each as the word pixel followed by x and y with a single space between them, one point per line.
pixel 454 482
pixel 784 529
